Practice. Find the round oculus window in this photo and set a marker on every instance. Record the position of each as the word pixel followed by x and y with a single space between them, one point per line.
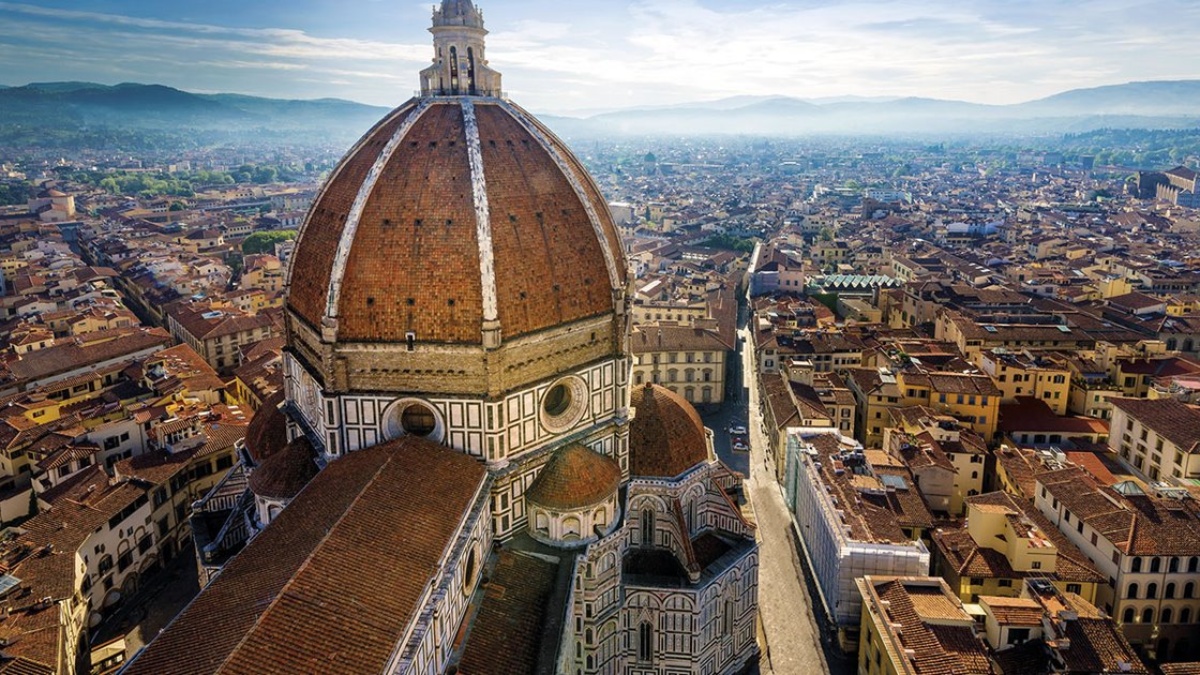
pixel 564 404
pixel 413 417
pixel 418 420
pixel 558 400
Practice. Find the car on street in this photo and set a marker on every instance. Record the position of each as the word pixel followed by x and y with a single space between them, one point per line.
pixel 740 446
pixel 738 431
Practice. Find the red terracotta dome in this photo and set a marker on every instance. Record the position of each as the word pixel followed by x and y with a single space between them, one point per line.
pixel 454 213
pixel 285 473
pixel 575 477
pixel 267 431
pixel 666 436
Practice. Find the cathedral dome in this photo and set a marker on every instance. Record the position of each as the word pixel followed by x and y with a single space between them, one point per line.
pixel 267 432
pixel 286 472
pixel 666 436
pixel 575 477
pixel 455 217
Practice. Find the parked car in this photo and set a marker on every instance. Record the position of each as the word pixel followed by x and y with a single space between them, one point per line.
pixel 741 447
pixel 738 431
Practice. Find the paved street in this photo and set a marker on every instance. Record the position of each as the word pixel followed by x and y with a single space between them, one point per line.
pixel 794 641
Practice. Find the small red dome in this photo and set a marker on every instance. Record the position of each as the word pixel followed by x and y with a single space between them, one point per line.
pixel 285 473
pixel 575 477
pixel 666 436
pixel 267 432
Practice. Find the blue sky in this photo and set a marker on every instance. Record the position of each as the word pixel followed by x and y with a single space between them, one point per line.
pixel 566 56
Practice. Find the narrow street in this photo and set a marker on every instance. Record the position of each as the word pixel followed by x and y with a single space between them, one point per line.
pixel 794 644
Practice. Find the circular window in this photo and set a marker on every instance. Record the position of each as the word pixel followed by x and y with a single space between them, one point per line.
pixel 557 400
pixel 469 577
pixel 564 404
pixel 417 420
pixel 413 417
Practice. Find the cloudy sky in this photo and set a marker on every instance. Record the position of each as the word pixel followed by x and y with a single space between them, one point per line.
pixel 569 56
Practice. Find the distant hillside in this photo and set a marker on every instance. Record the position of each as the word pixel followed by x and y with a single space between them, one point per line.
pixel 85 114
pixel 60 108
pixel 1149 105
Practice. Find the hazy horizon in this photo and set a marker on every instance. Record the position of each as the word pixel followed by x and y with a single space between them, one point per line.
pixel 578 58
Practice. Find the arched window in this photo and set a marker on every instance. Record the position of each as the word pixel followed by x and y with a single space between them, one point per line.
pixel 1131 591
pixel 1193 563
pixel 570 528
pixel 1188 589
pixel 1173 565
pixel 727 620
pixel 600 517
pixel 1165 617
pixel 645 641
pixel 1148 615
pixel 541 521
pixel 1137 565
pixel 1127 617
pixel 1156 564
pixel 1185 615
pixel 454 69
pixel 1169 593
pixel 471 71
pixel 1151 591
pixel 647 527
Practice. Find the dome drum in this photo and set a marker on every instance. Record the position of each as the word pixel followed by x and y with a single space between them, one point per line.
pixel 573 500
pixel 453 368
pixel 574 528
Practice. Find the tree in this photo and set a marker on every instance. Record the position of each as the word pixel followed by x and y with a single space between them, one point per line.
pixel 264 242
pixel 177 206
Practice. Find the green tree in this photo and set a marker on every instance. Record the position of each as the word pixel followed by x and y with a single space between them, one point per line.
pixel 177 206
pixel 264 242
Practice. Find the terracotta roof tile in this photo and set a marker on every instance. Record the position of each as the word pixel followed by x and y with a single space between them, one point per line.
pixel 414 264
pixel 575 477
pixel 507 634
pixel 360 543
pixel 666 436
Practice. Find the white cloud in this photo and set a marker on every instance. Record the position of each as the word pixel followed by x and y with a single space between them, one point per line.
pixel 639 52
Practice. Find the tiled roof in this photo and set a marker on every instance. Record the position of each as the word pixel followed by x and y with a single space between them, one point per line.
pixel 938 646
pixel 507 634
pixel 575 477
pixel 666 436
pixel 1174 420
pixel 648 339
pixel 361 543
pixel 1136 524
pixel 414 263
pixel 73 354
pixel 1014 611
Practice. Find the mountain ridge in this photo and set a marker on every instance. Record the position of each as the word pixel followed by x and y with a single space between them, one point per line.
pixel 135 106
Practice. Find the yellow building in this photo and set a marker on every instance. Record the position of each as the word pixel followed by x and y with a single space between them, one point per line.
pixel 935 440
pixel 688 361
pixel 1159 438
pixel 914 625
pixel 1026 374
pixel 1002 544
